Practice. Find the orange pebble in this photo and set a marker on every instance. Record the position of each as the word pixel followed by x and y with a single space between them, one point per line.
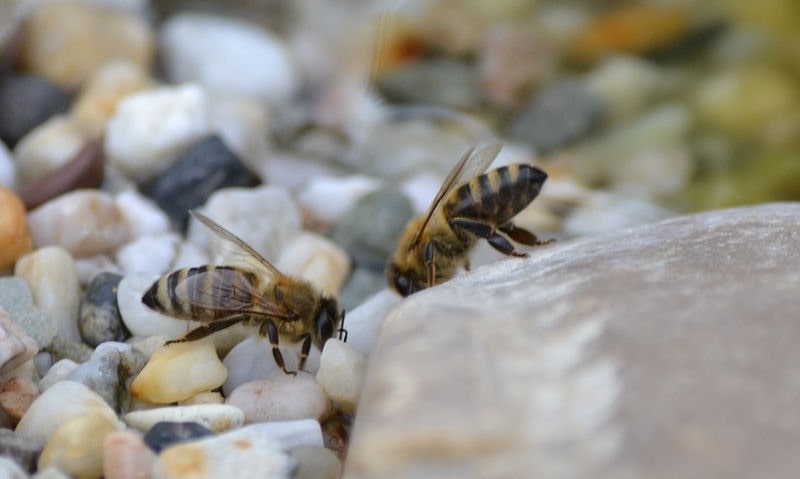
pixel 15 238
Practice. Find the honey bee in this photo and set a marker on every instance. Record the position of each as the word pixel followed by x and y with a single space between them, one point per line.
pixel 470 205
pixel 256 293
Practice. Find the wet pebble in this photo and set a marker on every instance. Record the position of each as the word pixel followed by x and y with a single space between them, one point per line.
pixel 215 417
pixel 141 214
pixel 15 236
pixel 316 259
pixel 126 456
pixel 316 462
pixel 140 319
pixel 151 254
pixel 51 275
pixel 24 451
pixel 76 446
pixel 166 433
pixel 16 346
pixel 559 114
pixel 84 222
pixel 280 397
pixel 370 230
pixel 435 82
pixel 88 36
pixel 150 128
pixel 203 168
pixel 341 372
pixel 236 57
pixel 16 298
pixel 27 101
pixel 179 371
pixel 250 452
pixel 99 318
pixel 328 199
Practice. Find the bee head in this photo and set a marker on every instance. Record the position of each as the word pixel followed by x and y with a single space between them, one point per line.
pixel 402 281
pixel 328 319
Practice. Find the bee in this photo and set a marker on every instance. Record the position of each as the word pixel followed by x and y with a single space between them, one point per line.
pixel 256 293
pixel 470 205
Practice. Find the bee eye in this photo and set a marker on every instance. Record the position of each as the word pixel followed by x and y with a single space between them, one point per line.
pixel 403 285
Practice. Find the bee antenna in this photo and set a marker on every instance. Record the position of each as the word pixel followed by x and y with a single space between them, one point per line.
pixel 342 331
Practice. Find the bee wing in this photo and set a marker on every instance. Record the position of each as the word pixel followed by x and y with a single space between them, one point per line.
pixel 471 164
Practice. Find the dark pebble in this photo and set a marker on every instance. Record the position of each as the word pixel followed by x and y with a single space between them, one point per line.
pixel 370 230
pixel 441 82
pixel 85 170
pixel 166 433
pixel 27 101
pixel 22 450
pixel 200 170
pixel 559 115
pixel 98 318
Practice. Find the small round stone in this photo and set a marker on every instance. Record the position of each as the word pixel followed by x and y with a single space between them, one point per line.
pixel 151 254
pixel 16 346
pixel 165 434
pixel 318 260
pixel 214 417
pixel 329 199
pixel 16 396
pixel 76 446
pixel 99 319
pixel 341 372
pixel 141 214
pixel 15 238
pixel 252 360
pixel 101 375
pixel 27 101
pixel 126 456
pixel 280 397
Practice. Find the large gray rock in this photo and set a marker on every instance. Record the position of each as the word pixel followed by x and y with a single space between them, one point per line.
pixel 669 350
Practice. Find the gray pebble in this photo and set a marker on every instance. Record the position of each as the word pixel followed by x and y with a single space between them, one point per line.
pixel 166 433
pixel 438 82
pixel 62 348
pixel 362 284
pixel 100 375
pixel 369 232
pixel 27 101
pixel 15 297
pixel 23 450
pixel 98 318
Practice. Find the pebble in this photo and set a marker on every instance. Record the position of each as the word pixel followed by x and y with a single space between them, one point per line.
pixel 248 451
pixel 341 373
pixel 242 124
pixel 151 255
pixel 165 434
pixel 252 360
pixel 84 222
pixel 362 284
pixel 68 41
pixel 62 348
pixel 328 199
pixel 84 170
pixel 268 229
pixel 364 322
pixel 141 214
pixel 336 433
pixel 102 92
pixel 179 371
pixel 370 229
pixel 24 451
pixel 27 101
pixel 189 255
pixel 203 398
pixel 50 473
pixel 76 446
pixel 126 456
pixel 15 237
pixel 560 113
pixel 57 372
pixel 99 319
pixel 150 128
pixel 140 319
pixel 316 462
pixel 215 417
pixel 8 170
pixel 445 82
pixel 201 169
pixel 9 469
pixel 280 397
pixel 16 346
pixel 317 259
pixel 100 374
pixel 236 57
pixel 293 433
pixel 16 396
pixel 16 298
pixel 49 411
pixel 51 275
pixel 91 266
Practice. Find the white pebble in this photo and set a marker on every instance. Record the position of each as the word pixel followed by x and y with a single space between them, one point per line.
pixel 179 371
pixel 364 323
pixel 57 372
pixel 9 469
pixel 328 199
pixel 141 214
pixel 48 147
pixel 151 254
pixel 53 279
pixel 140 319
pixel 316 259
pixel 341 373
pixel 189 255
pixel 234 57
pixel 60 403
pixel 216 417
pixel 281 397
pixel 8 170
pixel 302 432
pixel 76 446
pixel 84 222
pixel 204 397
pixel 16 347
pixel 91 266
pixel 421 189
pixel 607 212
pixel 316 462
pixel 151 127
pixel 243 125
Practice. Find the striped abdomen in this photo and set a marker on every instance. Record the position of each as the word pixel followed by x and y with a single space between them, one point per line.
pixel 204 293
pixel 496 196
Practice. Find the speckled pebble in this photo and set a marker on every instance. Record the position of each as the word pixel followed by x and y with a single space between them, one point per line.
pixel 15 236
pixel 341 373
pixel 27 101
pixel 24 451
pixel 16 346
pixel 280 397
pixel 215 417
pixel 126 456
pixel 100 374
pixel 77 351
pixel 51 275
pixel 76 446
pixel 138 318
pixel 165 434
pixel 84 222
pixel 16 298
pixel 316 259
pixel 99 319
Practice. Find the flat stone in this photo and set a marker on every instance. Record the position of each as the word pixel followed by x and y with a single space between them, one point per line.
pixel 165 434
pixel 659 351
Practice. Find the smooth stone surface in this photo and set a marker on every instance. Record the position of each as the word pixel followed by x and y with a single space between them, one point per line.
pixel 316 462
pixel 15 236
pixel 99 319
pixel 150 254
pixel 249 452
pixel 296 433
pixel 328 199
pixel 317 259
pixel 51 275
pixel 280 397
pixel 24 451
pixel 141 320
pixel 252 360
pixel 215 417
pixel 693 317
pixel 48 147
pixel 84 222
pixel 165 434
pixel 126 456
pixel 141 214
pixel 76 446
pixel 27 101
pixel 242 124
pixel 16 346
pixel 57 372
pixel 179 371
pixel 9 469
pixel 363 324
pixel 362 284
pixel 16 298
pixel 101 375
pixel 198 171
pixel 341 373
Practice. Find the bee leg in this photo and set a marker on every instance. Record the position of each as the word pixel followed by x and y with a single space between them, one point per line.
pixel 521 235
pixel 304 351
pixel 272 334
pixel 208 328
pixel 429 252
pixel 488 232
